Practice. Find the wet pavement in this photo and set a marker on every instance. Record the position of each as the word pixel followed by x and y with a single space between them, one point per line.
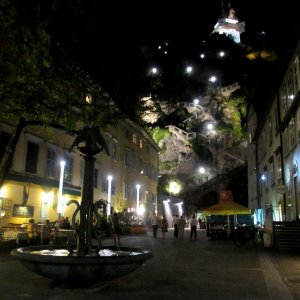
pixel 180 269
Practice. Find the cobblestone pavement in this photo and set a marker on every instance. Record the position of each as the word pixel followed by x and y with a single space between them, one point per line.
pixel 180 269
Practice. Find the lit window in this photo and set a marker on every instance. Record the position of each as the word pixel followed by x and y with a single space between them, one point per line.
pixel 134 138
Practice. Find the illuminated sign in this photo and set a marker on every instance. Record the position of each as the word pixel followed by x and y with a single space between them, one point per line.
pixel 22 211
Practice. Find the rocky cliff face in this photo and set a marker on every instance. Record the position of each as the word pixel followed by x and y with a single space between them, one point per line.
pixel 209 136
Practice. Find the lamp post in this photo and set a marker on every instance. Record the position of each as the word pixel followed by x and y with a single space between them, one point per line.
pixel 60 188
pixel 174 188
pixel 138 198
pixel 196 102
pixel 109 178
pixel 213 79
pixel 180 210
pixel 204 174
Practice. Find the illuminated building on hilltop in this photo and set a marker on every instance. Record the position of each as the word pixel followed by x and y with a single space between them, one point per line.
pixel 230 26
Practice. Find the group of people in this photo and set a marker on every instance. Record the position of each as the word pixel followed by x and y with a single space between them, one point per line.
pixel 163 223
pixel 45 232
pixel 178 224
pixel 39 234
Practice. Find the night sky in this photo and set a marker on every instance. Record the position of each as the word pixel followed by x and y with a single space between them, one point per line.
pixel 118 40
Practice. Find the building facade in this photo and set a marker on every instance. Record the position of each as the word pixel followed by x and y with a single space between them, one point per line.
pixel 274 151
pixel 39 185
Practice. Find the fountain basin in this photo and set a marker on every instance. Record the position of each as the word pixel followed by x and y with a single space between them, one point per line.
pixel 56 263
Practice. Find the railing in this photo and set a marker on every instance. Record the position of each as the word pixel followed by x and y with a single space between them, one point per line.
pixel 182 133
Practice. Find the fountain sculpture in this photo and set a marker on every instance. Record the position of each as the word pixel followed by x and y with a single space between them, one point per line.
pixel 83 265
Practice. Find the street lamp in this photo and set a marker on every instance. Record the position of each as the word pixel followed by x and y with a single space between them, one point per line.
pixel 189 69
pixel 138 198
pixel 210 126
pixel 174 188
pixel 60 188
pixel 109 178
pixel 212 79
pixel 154 70
pixel 196 101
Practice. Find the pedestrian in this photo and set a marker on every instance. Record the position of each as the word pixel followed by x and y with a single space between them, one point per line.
pixel 67 224
pixel 164 226
pixel 181 226
pixel 175 225
pixel 154 223
pixel 194 228
pixel 32 232
pixel 116 229
pixel 46 233
pixel 200 222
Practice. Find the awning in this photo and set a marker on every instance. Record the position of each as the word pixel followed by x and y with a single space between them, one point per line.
pixel 227 208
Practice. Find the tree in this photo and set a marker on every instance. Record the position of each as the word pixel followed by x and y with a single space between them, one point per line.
pixel 42 86
pixel 39 84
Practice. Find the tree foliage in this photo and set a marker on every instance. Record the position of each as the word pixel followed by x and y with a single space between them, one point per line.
pixel 39 83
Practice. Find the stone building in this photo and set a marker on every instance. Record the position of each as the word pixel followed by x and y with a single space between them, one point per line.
pixel 274 151
pixel 32 188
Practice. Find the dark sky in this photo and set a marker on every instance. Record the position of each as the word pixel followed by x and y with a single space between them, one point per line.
pixel 111 33
pixel 190 21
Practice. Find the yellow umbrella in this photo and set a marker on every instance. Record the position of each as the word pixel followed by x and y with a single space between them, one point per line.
pixel 227 208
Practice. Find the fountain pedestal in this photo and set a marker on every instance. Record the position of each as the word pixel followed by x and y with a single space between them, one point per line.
pixel 80 271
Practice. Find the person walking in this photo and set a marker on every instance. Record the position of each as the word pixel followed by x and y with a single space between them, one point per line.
pixel 194 228
pixel 181 226
pixel 116 229
pixel 164 227
pixel 154 223
pixel 175 225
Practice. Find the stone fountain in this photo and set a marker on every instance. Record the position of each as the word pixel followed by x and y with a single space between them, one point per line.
pixel 81 264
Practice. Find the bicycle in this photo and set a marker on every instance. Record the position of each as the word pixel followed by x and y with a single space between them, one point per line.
pixel 244 234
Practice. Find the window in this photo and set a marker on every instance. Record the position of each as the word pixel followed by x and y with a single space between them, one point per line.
pixel 127 158
pixel 51 169
pixel 4 139
pixel 285 142
pixel 126 190
pixel 134 138
pixel 114 149
pixel 141 143
pixel 297 72
pixel 283 101
pixel 105 185
pixel 96 177
pixel 128 134
pixel 276 119
pixel 290 92
pixel 270 132
pixel 296 75
pixel 278 168
pixel 292 135
pixel 133 160
pixel 272 171
pixel 113 187
pixel 68 173
pixel 250 138
pixel 32 157
pixel 298 125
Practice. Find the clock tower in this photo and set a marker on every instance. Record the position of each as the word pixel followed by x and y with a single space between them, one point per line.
pixel 229 24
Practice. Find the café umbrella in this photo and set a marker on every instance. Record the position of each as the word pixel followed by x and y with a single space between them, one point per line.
pixel 227 208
